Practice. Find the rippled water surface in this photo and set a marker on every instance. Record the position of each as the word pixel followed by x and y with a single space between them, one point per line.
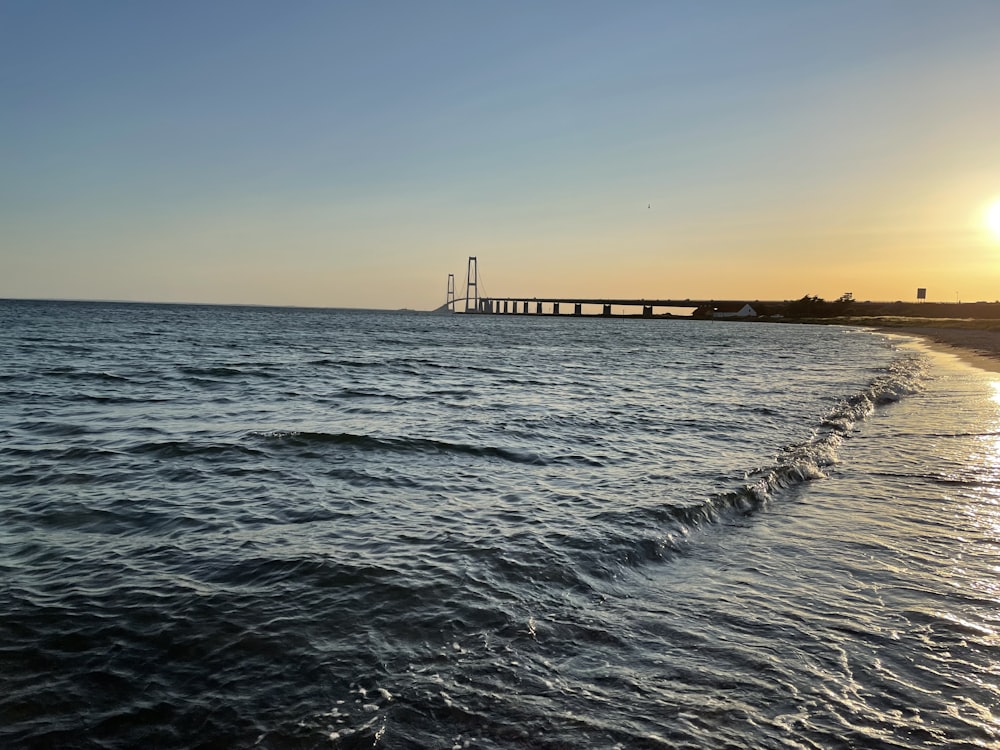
pixel 284 528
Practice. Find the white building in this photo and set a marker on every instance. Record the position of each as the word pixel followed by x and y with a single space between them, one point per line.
pixel 726 310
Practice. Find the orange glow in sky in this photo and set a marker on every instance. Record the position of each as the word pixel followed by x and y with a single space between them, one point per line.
pixel 353 155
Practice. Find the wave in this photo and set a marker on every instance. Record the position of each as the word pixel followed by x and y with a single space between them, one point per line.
pixel 329 362
pixel 73 374
pixel 189 448
pixel 111 400
pixel 807 461
pixel 792 467
pixel 299 439
pixel 226 371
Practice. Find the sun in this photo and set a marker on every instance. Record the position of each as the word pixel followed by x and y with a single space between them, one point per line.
pixel 993 218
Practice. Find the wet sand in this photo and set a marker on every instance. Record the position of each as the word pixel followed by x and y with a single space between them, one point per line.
pixel 977 346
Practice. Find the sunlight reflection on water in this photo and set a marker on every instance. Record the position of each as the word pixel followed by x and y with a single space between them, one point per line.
pixel 972 570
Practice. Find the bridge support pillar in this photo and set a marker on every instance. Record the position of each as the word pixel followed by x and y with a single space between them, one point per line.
pixel 577 309
pixel 647 311
pixel 472 299
pixel 538 308
pixel 555 308
pixel 524 310
pixel 449 301
pixel 606 312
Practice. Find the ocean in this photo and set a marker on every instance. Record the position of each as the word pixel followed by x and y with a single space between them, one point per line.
pixel 239 527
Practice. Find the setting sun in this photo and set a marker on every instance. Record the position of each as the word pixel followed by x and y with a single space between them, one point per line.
pixel 993 218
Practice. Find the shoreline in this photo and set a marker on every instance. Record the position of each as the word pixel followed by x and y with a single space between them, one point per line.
pixel 978 347
pixel 976 341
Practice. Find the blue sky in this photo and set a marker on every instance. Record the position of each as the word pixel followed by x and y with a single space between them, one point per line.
pixel 340 154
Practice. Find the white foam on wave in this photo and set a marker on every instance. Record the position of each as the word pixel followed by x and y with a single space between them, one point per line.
pixel 807 461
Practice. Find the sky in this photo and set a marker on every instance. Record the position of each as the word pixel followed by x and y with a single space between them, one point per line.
pixel 339 154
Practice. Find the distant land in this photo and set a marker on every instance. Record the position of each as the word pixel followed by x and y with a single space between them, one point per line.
pixel 813 307
pixel 810 308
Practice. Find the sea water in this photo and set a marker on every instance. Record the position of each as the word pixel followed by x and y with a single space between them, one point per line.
pixel 295 528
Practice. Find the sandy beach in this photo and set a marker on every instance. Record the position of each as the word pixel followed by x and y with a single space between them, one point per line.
pixel 979 346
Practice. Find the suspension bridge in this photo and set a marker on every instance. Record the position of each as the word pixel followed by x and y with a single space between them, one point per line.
pixel 475 303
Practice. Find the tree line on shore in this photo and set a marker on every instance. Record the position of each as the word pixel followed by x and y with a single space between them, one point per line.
pixel 846 306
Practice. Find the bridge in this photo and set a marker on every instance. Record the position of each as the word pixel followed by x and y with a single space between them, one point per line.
pixel 806 308
pixel 474 303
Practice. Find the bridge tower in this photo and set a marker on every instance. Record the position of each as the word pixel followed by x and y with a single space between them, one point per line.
pixel 449 300
pixel 472 286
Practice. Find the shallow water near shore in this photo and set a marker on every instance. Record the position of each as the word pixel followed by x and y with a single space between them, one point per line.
pixel 287 528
